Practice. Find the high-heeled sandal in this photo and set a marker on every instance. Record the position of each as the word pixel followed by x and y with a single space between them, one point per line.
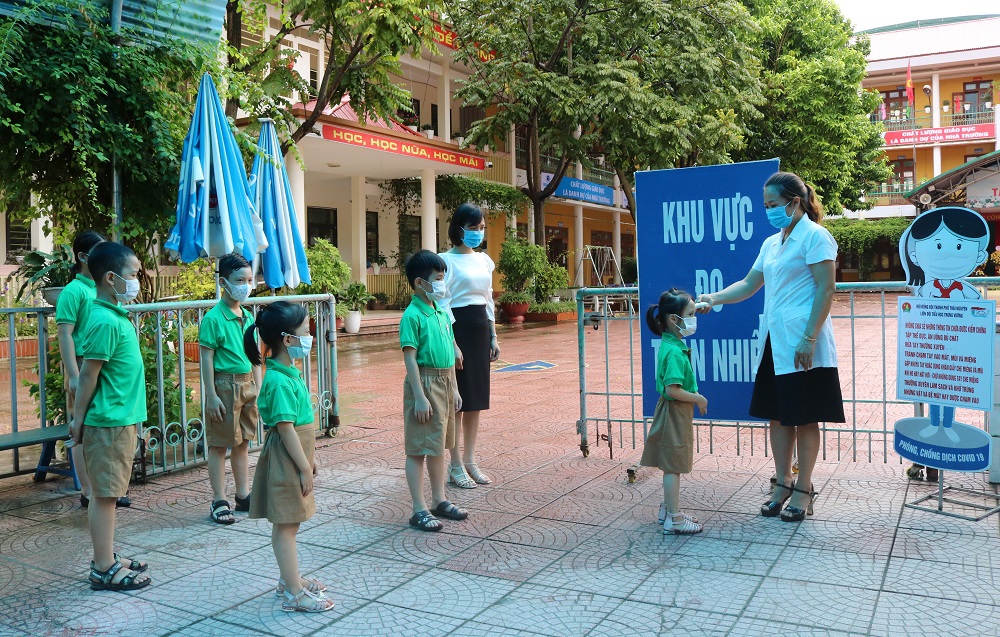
pixel 473 470
pixel 458 477
pixel 795 514
pixel 772 507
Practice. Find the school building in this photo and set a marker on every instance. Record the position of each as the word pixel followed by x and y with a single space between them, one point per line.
pixel 950 127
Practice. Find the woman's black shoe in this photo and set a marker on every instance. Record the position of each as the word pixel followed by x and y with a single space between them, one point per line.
pixel 795 514
pixel 772 508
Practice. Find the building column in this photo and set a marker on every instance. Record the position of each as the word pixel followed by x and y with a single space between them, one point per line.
pixel 578 234
pixel 512 150
pixel 297 182
pixel 359 208
pixel 39 239
pixel 428 210
pixel 936 100
pixel 444 101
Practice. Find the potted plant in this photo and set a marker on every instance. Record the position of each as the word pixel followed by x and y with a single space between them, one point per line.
pixel 428 130
pixel 379 301
pixel 378 262
pixel 630 271
pixel 550 278
pixel 409 120
pixel 518 265
pixel 45 273
pixel 329 272
pixel 355 296
pixel 341 313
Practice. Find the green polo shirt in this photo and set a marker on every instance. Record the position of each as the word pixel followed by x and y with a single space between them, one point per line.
pixel 673 366
pixel 74 304
pixel 284 396
pixel 120 397
pixel 427 329
pixel 222 331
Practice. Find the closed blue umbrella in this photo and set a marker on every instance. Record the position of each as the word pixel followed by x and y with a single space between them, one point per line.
pixel 215 212
pixel 284 260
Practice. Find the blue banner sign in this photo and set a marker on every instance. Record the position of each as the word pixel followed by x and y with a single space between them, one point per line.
pixel 701 229
pixel 583 190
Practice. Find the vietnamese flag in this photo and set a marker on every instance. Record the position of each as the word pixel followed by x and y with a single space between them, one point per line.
pixel 909 90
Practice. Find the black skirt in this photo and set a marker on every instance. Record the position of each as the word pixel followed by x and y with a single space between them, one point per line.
pixel 799 398
pixel 472 333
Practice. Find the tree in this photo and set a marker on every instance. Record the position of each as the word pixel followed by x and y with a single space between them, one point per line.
pixel 815 116
pixel 361 40
pixel 71 96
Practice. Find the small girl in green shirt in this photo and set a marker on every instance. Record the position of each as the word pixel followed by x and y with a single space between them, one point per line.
pixel 670 443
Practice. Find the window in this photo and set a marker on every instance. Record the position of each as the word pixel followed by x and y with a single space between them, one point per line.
pixel 416 108
pixel 434 118
pixel 976 94
pixel 894 106
pixel 522 230
pixel 902 174
pixel 18 236
pixel 321 223
pixel 409 236
pixel 467 116
pixel 557 244
pixel 371 234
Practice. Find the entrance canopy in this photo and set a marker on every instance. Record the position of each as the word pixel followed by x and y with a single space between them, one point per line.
pixel 975 184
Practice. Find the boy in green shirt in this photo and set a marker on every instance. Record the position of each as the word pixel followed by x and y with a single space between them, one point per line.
pixel 110 401
pixel 231 387
pixel 430 393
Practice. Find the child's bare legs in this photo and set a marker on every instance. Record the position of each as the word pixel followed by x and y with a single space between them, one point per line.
pixel 470 430
pixel 239 459
pixel 217 472
pixel 283 544
pixel 101 516
pixel 672 492
pixel 435 472
pixel 456 451
pixel 80 466
pixel 415 482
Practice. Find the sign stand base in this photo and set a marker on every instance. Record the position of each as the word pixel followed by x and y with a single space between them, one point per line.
pixel 939 496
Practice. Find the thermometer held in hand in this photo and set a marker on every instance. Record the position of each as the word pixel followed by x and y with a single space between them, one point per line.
pixel 702 306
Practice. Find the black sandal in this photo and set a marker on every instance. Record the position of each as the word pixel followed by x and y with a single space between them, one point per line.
pixel 220 509
pixel 105 580
pixel 425 521
pixel 450 511
pixel 795 514
pixel 133 565
pixel 772 507
pixel 243 504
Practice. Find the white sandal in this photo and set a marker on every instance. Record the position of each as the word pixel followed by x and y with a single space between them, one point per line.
pixel 663 515
pixel 315 587
pixel 307 602
pixel 473 470
pixel 678 525
pixel 458 477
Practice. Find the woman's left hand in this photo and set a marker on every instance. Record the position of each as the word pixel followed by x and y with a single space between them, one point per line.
pixel 494 349
pixel 804 354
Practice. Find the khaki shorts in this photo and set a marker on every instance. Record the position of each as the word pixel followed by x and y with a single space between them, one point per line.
pixel 437 434
pixel 109 452
pixel 277 492
pixel 238 393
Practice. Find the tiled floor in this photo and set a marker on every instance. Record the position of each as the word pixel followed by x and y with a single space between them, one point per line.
pixel 559 545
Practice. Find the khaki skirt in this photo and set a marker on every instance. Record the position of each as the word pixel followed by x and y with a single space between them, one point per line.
pixel 277 492
pixel 670 443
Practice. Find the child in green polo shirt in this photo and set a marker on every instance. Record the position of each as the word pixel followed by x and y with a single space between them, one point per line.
pixel 283 482
pixel 110 401
pixel 430 393
pixel 231 384
pixel 670 442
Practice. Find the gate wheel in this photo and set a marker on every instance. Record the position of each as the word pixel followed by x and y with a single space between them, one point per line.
pixel 586 451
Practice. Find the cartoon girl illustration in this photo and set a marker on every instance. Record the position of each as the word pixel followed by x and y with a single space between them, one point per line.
pixel 939 249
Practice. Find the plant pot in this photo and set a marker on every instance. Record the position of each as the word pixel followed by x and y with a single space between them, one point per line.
pixel 352 324
pixel 554 298
pixel 513 313
pixel 25 346
pixel 376 305
pixel 429 134
pixel 51 295
pixel 192 352
pixel 412 127
pixel 340 323
pixel 550 317
pixel 376 268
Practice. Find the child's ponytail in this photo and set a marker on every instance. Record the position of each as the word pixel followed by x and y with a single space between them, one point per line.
pixel 272 323
pixel 653 319
pixel 250 346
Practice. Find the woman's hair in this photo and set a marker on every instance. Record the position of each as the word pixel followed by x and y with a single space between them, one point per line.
pixel 961 221
pixel 231 263
pixel 84 243
pixel 673 301
pixel 790 185
pixel 272 320
pixel 468 214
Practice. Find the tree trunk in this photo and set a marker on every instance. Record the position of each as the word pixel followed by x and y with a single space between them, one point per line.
pixel 627 186
pixel 538 204
pixel 234 36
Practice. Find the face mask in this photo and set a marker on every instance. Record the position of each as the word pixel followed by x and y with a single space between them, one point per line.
pixel 690 326
pixel 473 238
pixel 438 291
pixel 240 292
pixel 778 217
pixel 302 349
pixel 131 289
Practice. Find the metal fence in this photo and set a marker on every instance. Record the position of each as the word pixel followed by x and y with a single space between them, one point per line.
pixel 864 319
pixel 173 437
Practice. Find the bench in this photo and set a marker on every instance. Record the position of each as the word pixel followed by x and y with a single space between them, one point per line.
pixel 47 437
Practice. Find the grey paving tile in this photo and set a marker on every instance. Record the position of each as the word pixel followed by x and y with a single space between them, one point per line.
pixel 862 570
pixel 499 559
pixel 478 629
pixel 385 619
pixel 208 591
pixel 261 561
pixel 960 582
pixel 419 547
pixel 549 611
pixel 479 523
pixel 215 628
pixel 813 605
pixel 546 533
pixel 965 548
pixel 709 591
pixel 912 615
pixel 740 527
pixel 871 535
pixel 365 576
pixel 447 593
pixel 507 500
pixel 749 627
pixel 652 620
pixel 264 613
pixel 711 554
pixel 346 534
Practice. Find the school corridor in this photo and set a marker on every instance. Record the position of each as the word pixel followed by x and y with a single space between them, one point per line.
pixel 559 545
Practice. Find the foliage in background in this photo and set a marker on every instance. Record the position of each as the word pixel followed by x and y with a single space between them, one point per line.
pixel 329 272
pixel 43 270
pixel 25 325
pixel 815 116
pixel 195 281
pixel 553 308
pixel 520 262
pixel 168 361
pixel 630 271
pixel 55 386
pixel 355 296
pixel 860 236
pixel 548 280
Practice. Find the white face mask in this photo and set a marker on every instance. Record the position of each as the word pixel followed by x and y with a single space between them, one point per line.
pixel 239 291
pixel 690 326
pixel 439 291
pixel 302 349
pixel 131 289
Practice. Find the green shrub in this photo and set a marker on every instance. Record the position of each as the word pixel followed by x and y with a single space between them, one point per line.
pixel 630 271
pixel 548 280
pixel 196 281
pixel 327 269
pixel 553 308
pixel 520 262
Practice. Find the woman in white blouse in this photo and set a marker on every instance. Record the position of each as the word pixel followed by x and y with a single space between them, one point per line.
pixel 796 385
pixel 469 280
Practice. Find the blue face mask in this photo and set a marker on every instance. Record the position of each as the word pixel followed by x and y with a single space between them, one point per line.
pixel 779 217
pixel 473 238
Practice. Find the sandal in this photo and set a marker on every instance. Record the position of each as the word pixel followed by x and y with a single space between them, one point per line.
pixel 307 602
pixel 425 521
pixel 314 586
pixel 680 524
pixel 242 504
pixel 772 507
pixel 663 515
pixel 448 510
pixel 84 501
pixel 795 514
pixel 133 565
pixel 105 580
pixel 221 513
pixel 473 470
pixel 458 477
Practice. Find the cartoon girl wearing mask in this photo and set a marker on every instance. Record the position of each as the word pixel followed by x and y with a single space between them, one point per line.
pixel 939 249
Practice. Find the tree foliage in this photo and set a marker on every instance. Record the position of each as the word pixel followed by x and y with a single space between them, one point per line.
pixel 815 117
pixel 861 236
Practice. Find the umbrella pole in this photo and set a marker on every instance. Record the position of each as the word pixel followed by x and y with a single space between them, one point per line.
pixel 215 268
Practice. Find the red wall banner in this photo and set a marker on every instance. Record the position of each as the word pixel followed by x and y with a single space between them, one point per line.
pixel 933 135
pixel 401 147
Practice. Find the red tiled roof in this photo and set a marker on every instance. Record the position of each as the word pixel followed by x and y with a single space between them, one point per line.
pixel 343 110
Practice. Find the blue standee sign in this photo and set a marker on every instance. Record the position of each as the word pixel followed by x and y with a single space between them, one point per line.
pixel 700 229
pixel 583 190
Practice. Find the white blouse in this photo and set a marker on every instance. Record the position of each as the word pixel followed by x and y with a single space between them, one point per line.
pixel 789 290
pixel 469 280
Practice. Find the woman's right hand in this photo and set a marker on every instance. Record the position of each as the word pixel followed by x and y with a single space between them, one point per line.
pixel 704 304
pixel 306 480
